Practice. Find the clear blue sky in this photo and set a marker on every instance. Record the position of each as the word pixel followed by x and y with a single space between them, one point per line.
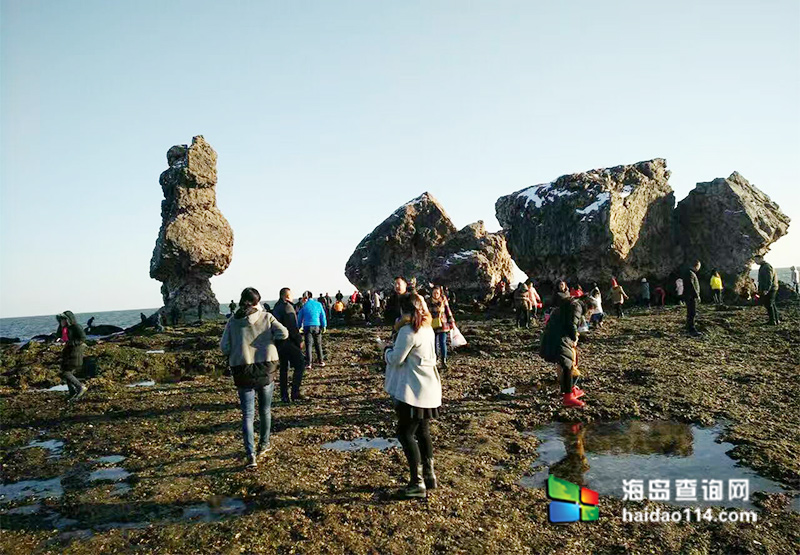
pixel 328 115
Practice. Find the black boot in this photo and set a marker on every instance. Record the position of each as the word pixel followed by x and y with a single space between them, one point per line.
pixel 427 473
pixel 416 485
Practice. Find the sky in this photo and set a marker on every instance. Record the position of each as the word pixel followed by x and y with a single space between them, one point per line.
pixel 328 115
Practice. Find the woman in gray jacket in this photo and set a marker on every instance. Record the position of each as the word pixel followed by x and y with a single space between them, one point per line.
pixel 248 341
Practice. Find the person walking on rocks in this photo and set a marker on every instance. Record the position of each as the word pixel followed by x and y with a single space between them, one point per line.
pixel 442 322
pixel 290 350
pixel 415 387
pixel 795 280
pixel 679 290
pixel 311 319
pixel 535 299
pixel 232 307
pixel 644 296
pixel 559 343
pixel 768 289
pixel 716 287
pixel 249 343
pixel 618 297
pixel 692 297
pixel 70 333
pixel 522 305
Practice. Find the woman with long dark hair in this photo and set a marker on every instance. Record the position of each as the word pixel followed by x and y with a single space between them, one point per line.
pixel 416 390
pixel 248 340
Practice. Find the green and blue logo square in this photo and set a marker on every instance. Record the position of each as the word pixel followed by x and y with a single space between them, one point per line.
pixel 570 502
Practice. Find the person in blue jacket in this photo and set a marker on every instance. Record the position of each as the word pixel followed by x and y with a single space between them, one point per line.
pixel 311 319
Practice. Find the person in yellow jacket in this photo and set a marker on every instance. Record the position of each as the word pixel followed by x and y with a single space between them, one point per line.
pixel 716 287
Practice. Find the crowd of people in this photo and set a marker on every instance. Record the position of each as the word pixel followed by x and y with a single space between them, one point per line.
pixel 260 341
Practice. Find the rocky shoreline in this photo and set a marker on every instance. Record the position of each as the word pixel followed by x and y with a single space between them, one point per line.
pixel 180 439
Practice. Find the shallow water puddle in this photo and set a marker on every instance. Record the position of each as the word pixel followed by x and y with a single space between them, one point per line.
pixel 601 455
pixel 37 489
pixel 509 391
pixel 110 459
pixel 53 445
pixel 62 387
pixel 361 443
pixel 217 508
pixel 114 474
pixel 146 383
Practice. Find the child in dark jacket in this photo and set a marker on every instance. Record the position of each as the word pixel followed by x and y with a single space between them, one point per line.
pixel 71 334
pixel 559 343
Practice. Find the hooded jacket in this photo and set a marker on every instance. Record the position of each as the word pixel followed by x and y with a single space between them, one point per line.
pixel 561 333
pixel 249 342
pixel 72 354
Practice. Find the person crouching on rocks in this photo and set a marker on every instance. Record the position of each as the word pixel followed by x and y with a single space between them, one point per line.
pixel 416 390
pixel 248 341
pixel 71 334
pixel 560 341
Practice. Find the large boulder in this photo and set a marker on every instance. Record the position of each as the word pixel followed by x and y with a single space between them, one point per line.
pixel 725 223
pixel 419 240
pixel 591 226
pixel 195 241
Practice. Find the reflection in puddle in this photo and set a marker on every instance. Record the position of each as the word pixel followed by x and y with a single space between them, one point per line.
pixel 114 474
pixel 216 509
pixel 53 445
pixel 111 459
pixel 62 387
pixel 37 489
pixel 120 489
pixel 146 383
pixel 601 455
pixel 361 443
pixel 25 510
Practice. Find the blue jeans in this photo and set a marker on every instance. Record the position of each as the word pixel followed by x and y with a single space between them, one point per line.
pixel 441 345
pixel 247 399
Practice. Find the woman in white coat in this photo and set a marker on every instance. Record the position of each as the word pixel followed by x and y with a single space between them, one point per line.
pixel 416 390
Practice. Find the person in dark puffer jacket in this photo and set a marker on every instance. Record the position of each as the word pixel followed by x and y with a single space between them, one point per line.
pixel 73 337
pixel 249 342
pixel 559 342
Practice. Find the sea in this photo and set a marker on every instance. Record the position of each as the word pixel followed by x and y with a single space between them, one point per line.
pixel 27 327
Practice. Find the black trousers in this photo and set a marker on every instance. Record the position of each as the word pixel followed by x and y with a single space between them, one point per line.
pixel 618 307
pixel 523 317
pixel 415 437
pixel 691 314
pixel 312 335
pixel 290 354
pixel 718 296
pixel 772 308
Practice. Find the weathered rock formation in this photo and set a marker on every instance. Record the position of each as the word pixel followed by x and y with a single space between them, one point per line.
pixel 419 240
pixel 621 222
pixel 594 225
pixel 725 223
pixel 195 241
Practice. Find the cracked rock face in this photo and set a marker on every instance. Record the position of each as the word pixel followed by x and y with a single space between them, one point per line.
pixel 419 240
pixel 591 226
pixel 195 241
pixel 725 223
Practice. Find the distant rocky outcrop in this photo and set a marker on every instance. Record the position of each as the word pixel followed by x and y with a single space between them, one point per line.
pixel 591 226
pixel 195 241
pixel 622 222
pixel 725 223
pixel 419 240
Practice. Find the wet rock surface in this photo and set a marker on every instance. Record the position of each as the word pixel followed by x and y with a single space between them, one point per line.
pixel 195 241
pixel 419 240
pixel 183 446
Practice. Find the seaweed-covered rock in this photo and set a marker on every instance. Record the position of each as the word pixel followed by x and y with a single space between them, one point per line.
pixel 195 241
pixel 593 225
pixel 419 240
pixel 725 223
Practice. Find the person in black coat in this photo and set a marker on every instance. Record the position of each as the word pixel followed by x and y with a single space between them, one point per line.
pixel 691 295
pixel 392 311
pixel 71 334
pixel 559 342
pixel 768 289
pixel 290 351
